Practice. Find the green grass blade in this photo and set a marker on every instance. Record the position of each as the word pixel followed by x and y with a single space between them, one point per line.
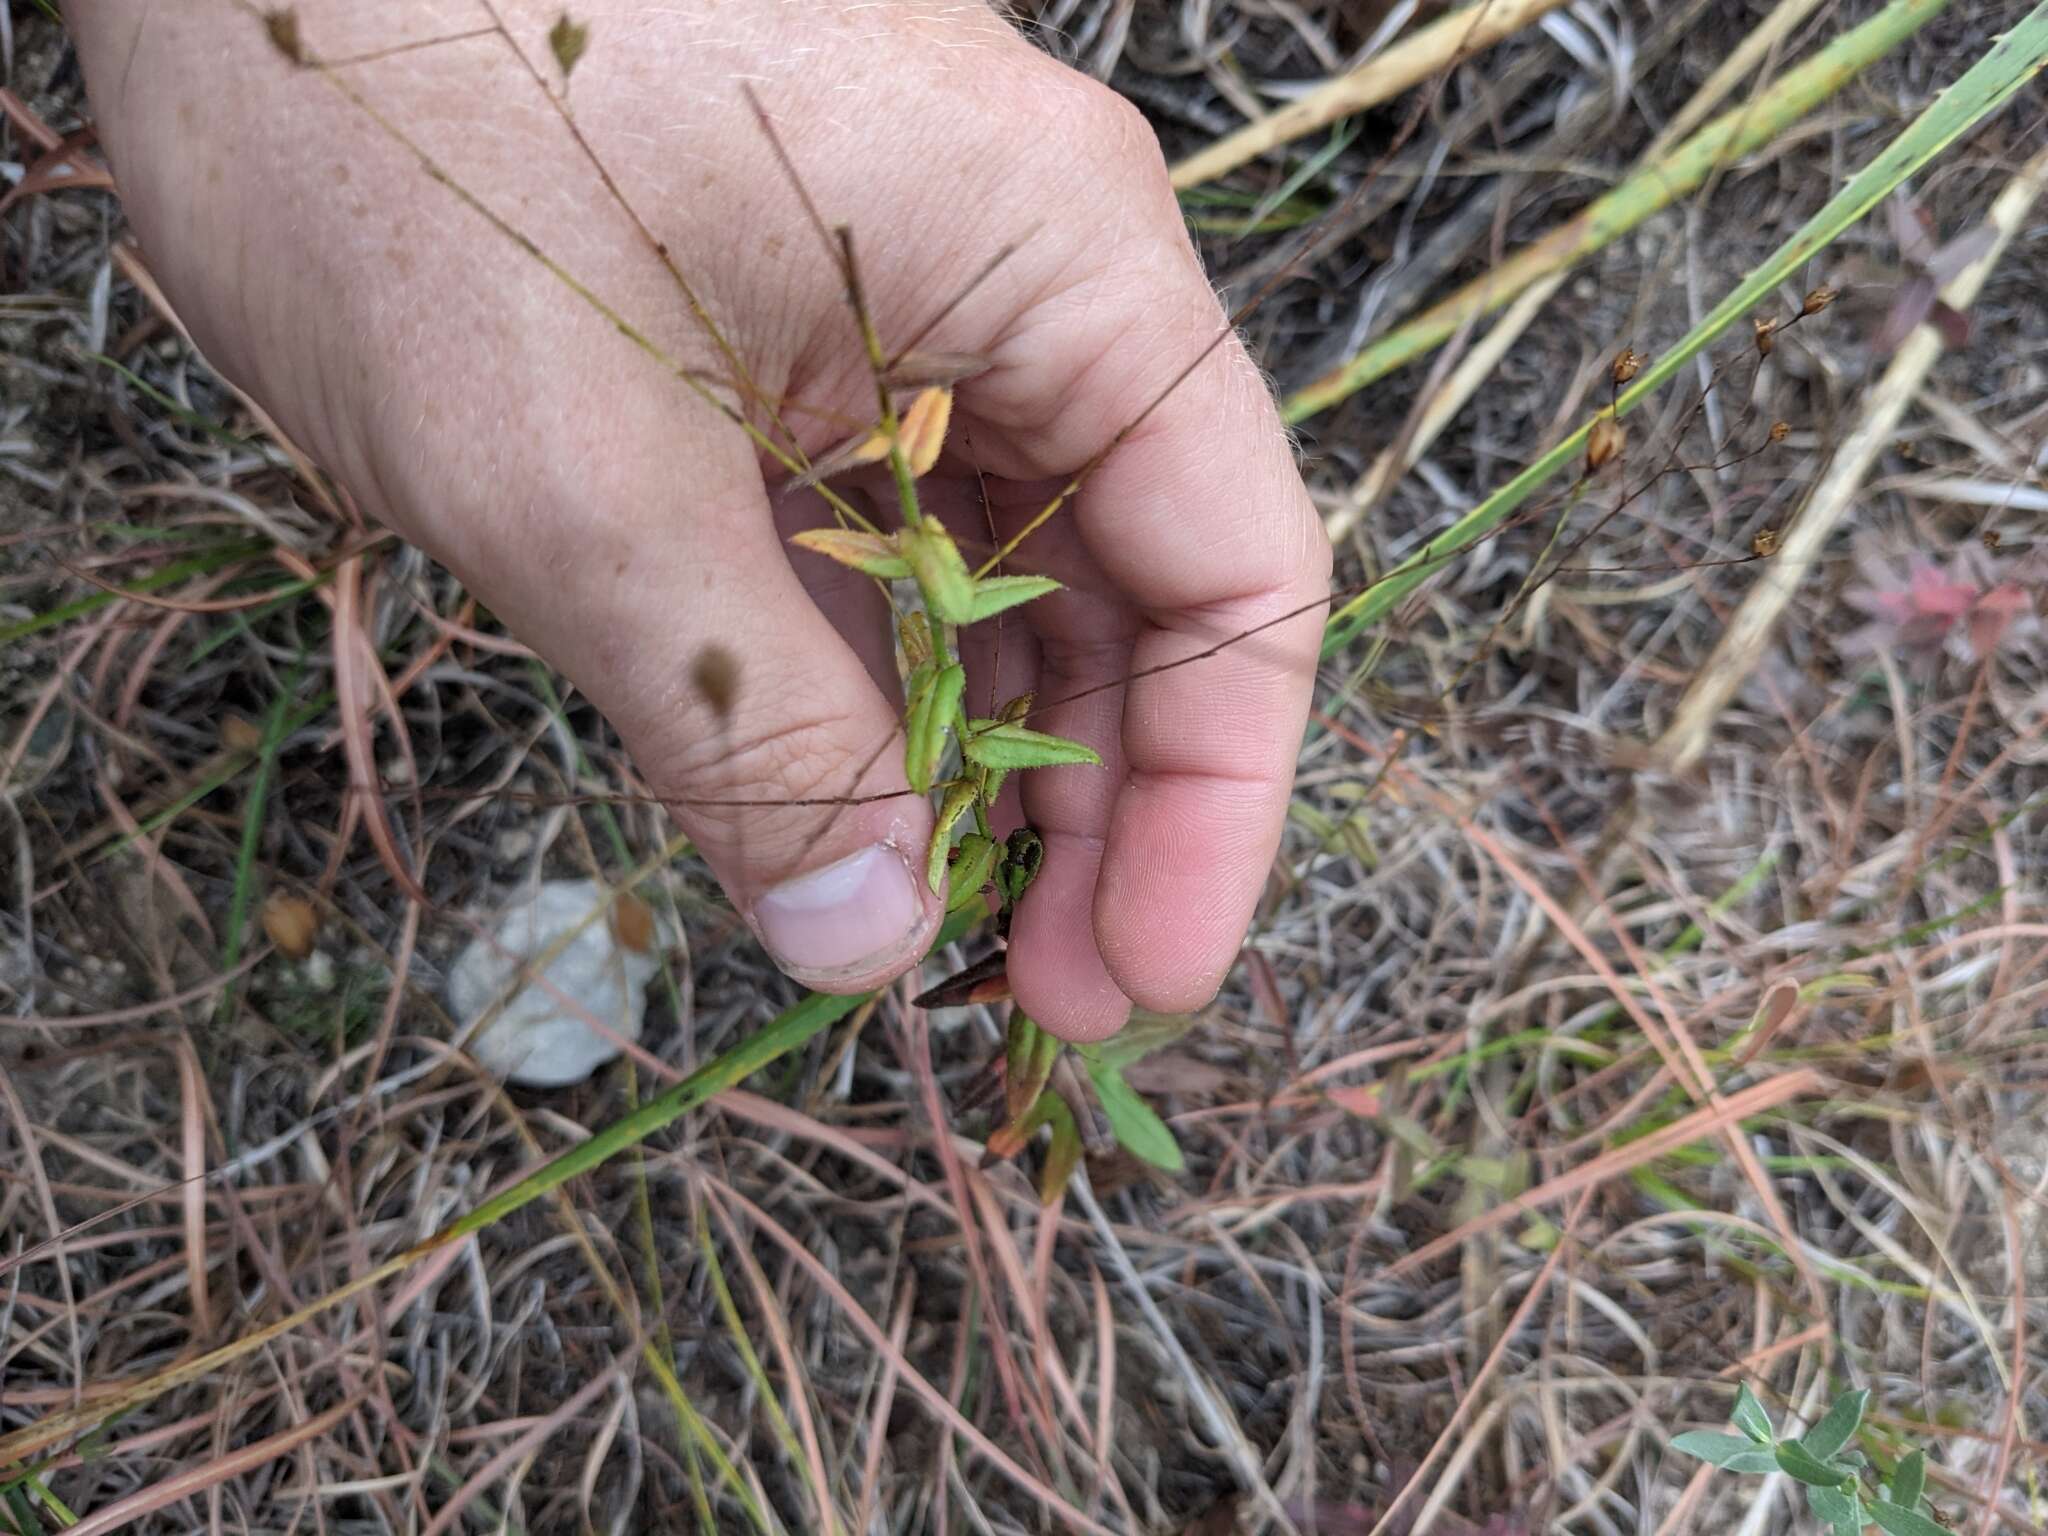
pixel 2006 67
pixel 277 724
pixel 163 576
pixel 790 1030
pixel 1740 130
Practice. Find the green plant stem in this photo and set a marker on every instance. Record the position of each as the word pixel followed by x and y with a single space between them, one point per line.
pixel 1736 132
pixel 2009 64
pixel 163 576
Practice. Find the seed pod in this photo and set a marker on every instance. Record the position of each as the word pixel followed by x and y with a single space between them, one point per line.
pixel 283 26
pixel 1766 335
pixel 1765 544
pixel 1818 300
pixel 291 924
pixel 1604 442
pixel 633 923
pixel 566 41
pixel 923 431
pixel 1779 429
pixel 1990 538
pixel 916 641
pixel 1626 365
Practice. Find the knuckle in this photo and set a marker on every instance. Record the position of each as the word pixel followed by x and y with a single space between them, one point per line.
pixel 751 771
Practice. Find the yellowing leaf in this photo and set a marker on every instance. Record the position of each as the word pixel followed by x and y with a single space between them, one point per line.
pixel 922 430
pixel 869 552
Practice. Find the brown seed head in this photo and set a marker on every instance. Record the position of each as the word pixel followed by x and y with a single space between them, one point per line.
pixel 1765 544
pixel 1627 365
pixel 633 923
pixel 566 41
pixel 1766 335
pixel 915 640
pixel 1990 538
pixel 283 26
pixel 1604 442
pixel 240 735
pixel 291 923
pixel 1779 429
pixel 1818 300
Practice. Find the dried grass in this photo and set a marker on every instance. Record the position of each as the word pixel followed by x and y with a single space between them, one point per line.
pixel 1508 1153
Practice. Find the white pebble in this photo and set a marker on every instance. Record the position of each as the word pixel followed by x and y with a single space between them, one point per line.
pixel 537 1039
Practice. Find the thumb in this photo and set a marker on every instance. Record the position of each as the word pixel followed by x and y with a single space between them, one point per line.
pixel 757 723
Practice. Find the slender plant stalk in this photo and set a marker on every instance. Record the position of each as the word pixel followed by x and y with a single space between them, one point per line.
pixel 1477 366
pixel 1742 641
pixel 1993 80
pixel 1662 182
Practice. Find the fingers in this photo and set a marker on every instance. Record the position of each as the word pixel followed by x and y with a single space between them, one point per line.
pixel 1058 969
pixel 1199 517
pixel 835 892
pixel 677 608
pixel 1211 741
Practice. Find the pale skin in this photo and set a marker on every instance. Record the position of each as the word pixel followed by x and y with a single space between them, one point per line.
pixel 618 525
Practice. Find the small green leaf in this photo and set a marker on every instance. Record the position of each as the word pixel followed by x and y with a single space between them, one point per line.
pixel 1795 1460
pixel 942 576
pixel 567 41
pixel 1749 1416
pixel 872 553
pixel 1909 1480
pixel 1901 1521
pixel 972 864
pixel 1841 1508
pixel 1721 1450
pixel 992 594
pixel 1138 1129
pixel 1837 1427
pixel 1145 1033
pixel 1010 747
pixel 927 723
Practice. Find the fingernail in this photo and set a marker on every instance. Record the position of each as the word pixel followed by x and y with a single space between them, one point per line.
pixel 857 913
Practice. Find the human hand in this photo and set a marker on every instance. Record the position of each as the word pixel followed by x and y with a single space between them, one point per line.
pixel 625 530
